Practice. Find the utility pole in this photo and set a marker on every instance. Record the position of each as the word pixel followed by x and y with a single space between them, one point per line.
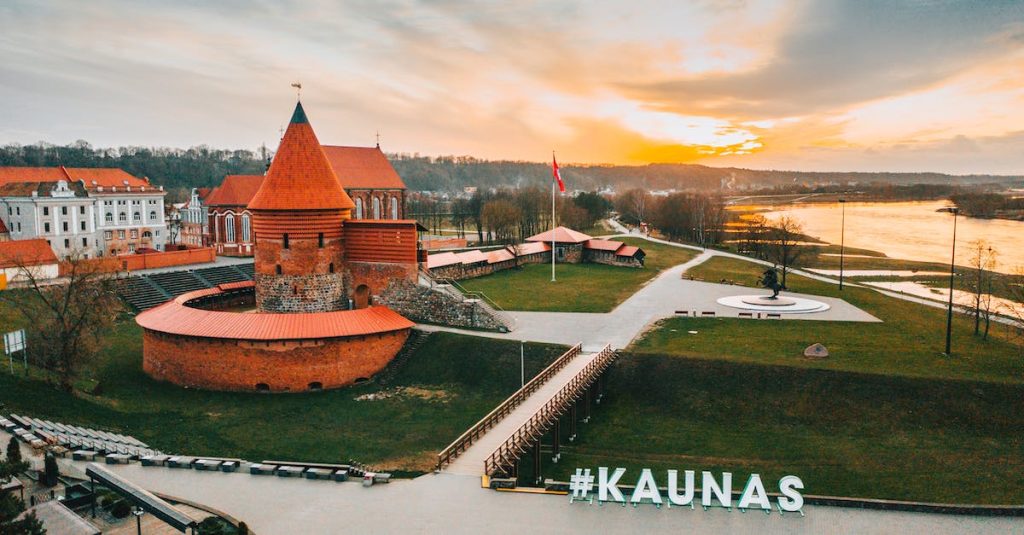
pixel 952 271
pixel 842 242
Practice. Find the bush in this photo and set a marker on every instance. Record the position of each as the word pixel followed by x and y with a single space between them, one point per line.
pixel 13 451
pixel 121 509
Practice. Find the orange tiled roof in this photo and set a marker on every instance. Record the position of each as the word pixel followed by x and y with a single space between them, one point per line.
pixel 603 245
pixel 3 227
pixel 26 253
pixel 629 250
pixel 175 317
pixel 235 190
pixel 561 235
pixel 300 177
pixel 107 177
pixel 362 168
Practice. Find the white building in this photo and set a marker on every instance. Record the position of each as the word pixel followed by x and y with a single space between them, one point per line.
pixel 96 212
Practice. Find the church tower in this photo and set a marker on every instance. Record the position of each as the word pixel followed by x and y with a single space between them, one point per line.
pixel 297 217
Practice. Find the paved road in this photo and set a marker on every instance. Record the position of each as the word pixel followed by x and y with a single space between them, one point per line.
pixel 471 462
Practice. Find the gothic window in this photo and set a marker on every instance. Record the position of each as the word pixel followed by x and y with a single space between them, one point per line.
pixel 359 208
pixel 229 229
pixel 376 208
pixel 394 208
pixel 246 228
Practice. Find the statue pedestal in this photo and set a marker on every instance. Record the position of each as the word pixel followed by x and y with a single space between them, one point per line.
pixel 768 301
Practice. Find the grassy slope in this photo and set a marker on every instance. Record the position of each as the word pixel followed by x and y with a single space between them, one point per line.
pixel 909 341
pixel 399 432
pixel 844 433
pixel 580 287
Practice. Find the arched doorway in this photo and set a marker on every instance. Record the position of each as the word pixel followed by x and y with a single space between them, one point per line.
pixel 362 297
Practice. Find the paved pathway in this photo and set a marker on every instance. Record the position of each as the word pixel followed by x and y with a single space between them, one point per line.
pixel 471 462
pixel 660 298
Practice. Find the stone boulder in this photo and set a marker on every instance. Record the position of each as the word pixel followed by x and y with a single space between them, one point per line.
pixel 816 351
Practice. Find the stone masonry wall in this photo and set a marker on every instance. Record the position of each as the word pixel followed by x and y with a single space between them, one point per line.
pixel 284 366
pixel 318 292
pixel 429 305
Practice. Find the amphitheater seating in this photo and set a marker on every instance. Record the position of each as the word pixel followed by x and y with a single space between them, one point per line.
pixel 178 282
pixel 140 293
pixel 222 275
pixel 76 438
pixel 248 270
pixel 144 292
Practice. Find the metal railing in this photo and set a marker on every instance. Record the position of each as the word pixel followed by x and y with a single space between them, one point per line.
pixel 465 440
pixel 483 301
pixel 509 451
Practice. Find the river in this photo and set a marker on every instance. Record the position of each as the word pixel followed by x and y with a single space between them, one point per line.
pixel 910 230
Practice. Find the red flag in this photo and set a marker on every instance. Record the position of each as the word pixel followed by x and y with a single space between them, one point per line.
pixel 557 174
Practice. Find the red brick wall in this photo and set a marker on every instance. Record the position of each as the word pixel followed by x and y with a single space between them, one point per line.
pixel 376 276
pixel 284 366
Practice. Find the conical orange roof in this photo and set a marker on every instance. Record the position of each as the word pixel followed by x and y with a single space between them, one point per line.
pixel 300 176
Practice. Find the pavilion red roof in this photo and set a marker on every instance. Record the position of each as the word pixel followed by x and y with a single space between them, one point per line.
pixel 18 253
pixel 628 250
pixel 561 235
pixel 175 317
pixel 603 245
pixel 362 168
pixel 300 176
pixel 235 190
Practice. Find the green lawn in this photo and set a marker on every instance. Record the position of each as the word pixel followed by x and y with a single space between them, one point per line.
pixel 580 287
pixel 843 433
pixel 454 380
pixel 908 342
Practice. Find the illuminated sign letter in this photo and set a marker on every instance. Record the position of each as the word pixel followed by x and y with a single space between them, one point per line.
pixel 673 488
pixel 754 493
pixel 791 500
pixel 709 486
pixel 607 486
pixel 646 488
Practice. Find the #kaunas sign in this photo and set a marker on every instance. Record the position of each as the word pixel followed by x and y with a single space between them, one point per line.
pixel 714 491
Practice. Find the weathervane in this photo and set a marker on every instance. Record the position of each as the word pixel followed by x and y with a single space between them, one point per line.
pixel 378 139
pixel 298 90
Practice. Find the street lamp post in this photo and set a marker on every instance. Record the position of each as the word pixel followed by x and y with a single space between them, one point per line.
pixel 138 512
pixel 952 269
pixel 842 241
pixel 522 364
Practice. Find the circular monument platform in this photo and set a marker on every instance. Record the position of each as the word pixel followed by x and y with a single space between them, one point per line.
pixel 781 305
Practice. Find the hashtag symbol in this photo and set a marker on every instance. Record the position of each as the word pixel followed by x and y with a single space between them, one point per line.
pixel 580 484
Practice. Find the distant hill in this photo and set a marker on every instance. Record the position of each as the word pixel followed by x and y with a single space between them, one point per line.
pixel 180 169
pixel 450 173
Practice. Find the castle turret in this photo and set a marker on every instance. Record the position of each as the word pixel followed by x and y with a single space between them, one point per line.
pixel 297 218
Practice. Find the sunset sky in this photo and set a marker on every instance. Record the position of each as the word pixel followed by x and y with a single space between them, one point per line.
pixel 862 85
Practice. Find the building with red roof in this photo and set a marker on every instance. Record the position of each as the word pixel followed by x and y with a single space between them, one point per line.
pixel 21 258
pixel 5 234
pixel 319 275
pixel 89 211
pixel 370 181
pixel 570 246
pixel 229 221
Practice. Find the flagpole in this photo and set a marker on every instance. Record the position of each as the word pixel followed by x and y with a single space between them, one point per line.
pixel 552 222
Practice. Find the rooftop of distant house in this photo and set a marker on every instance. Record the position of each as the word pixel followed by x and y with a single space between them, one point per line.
pixel 24 253
pixel 95 179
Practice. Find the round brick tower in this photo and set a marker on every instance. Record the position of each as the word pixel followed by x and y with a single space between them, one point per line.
pixel 297 218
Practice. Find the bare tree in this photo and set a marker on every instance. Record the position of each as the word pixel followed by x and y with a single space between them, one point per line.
pixel 67 317
pixel 983 261
pixel 783 246
pixel 1014 306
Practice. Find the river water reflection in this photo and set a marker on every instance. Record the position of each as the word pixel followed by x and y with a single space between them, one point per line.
pixel 910 230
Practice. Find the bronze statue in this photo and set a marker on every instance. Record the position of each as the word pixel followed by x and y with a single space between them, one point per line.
pixel 770 280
